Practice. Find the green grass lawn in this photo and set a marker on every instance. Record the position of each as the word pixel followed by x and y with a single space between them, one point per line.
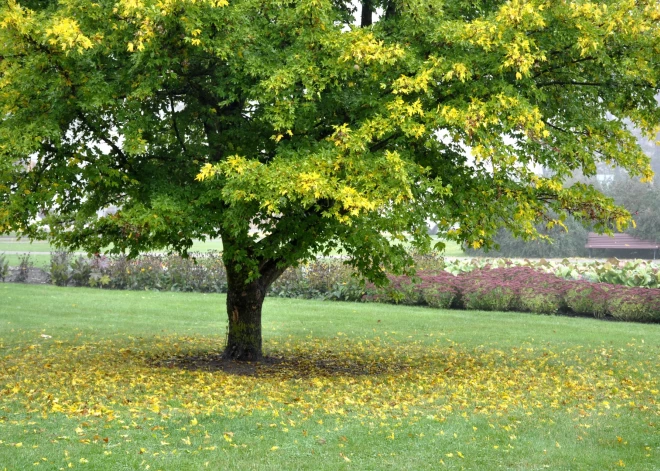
pixel 93 379
pixel 452 249
pixel 38 260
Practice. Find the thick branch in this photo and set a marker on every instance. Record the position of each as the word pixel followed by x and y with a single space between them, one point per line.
pixel 367 11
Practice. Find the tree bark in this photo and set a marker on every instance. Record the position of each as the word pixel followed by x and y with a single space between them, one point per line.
pixel 244 303
pixel 366 14
pixel 390 11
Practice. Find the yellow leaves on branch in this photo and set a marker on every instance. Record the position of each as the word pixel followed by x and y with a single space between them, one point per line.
pixel 406 85
pixel 507 32
pixel 144 14
pixel 485 121
pixel 138 8
pixel 350 183
pixel 521 55
pixel 16 17
pixel 523 13
pixel 596 23
pixel 65 33
pixel 364 48
pixel 207 171
pixel 459 71
pixel 354 202
pixel 311 182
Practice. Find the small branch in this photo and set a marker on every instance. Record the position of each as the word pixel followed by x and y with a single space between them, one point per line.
pixel 103 137
pixel 380 144
pixel 587 84
pixel 566 64
pixel 175 127
pixel 582 133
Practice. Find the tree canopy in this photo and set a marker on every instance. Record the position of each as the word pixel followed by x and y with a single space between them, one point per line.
pixel 212 118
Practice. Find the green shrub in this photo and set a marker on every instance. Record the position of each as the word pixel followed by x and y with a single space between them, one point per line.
pixel 499 298
pixel 438 298
pixel 4 268
pixel 60 268
pixel 539 301
pixel 81 270
pixel 24 266
pixel 320 279
pixel 587 298
pixel 400 290
pixel 635 304
pixel 350 290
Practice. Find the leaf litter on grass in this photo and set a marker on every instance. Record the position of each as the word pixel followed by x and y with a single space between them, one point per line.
pixel 166 385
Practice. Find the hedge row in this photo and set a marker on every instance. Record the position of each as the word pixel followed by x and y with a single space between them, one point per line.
pixel 507 288
pixel 322 279
pixel 521 289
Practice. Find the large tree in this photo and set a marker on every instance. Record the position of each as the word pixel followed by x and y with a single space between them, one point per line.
pixel 212 118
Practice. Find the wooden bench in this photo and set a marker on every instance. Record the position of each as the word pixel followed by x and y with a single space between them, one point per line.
pixel 619 242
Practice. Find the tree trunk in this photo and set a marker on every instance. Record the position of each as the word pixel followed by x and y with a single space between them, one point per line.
pixel 244 303
pixel 366 14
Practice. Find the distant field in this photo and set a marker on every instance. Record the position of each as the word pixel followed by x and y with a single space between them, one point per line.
pixel 38 260
pixel 40 250
pixel 452 249
pixel 10 244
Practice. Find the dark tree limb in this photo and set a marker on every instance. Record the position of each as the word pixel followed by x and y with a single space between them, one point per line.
pixel 366 17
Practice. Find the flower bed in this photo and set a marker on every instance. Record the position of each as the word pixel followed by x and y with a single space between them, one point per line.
pixel 638 273
pixel 526 289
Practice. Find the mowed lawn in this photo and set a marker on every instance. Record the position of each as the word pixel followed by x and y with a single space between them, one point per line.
pixel 105 380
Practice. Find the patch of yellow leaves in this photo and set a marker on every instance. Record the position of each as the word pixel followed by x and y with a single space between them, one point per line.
pixel 118 381
pixel 66 33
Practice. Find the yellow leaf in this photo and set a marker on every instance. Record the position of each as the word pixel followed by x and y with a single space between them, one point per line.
pixel 274 448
